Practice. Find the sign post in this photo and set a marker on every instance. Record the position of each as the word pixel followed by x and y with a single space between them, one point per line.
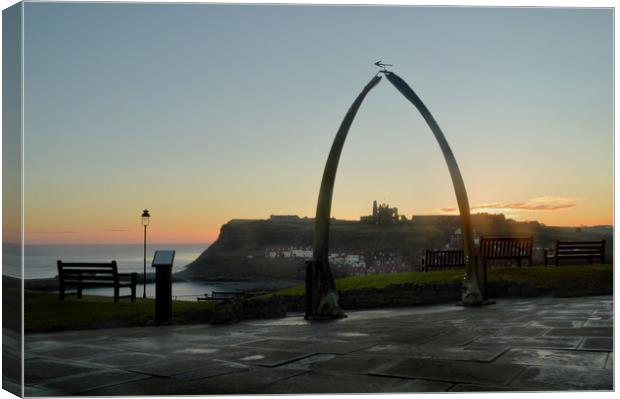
pixel 162 262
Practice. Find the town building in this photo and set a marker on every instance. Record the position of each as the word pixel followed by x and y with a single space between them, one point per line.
pixel 288 252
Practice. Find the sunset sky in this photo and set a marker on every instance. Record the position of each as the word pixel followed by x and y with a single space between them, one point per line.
pixel 206 113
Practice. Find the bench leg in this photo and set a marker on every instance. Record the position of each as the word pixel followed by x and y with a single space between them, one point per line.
pixel 116 293
pixel 79 292
pixel 61 292
pixel 133 291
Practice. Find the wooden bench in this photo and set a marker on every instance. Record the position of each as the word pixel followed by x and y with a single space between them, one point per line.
pixel 509 248
pixel 80 275
pixel 449 259
pixel 221 296
pixel 576 250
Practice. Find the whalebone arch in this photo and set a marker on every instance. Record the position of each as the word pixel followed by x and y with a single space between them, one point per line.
pixel 321 293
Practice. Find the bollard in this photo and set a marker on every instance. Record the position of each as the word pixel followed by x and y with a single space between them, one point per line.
pixel 162 262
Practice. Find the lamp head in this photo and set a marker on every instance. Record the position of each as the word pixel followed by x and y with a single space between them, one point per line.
pixel 145 217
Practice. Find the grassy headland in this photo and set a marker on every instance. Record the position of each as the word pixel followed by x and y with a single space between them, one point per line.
pixel 564 279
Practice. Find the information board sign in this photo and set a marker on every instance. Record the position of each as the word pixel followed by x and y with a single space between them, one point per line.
pixel 163 258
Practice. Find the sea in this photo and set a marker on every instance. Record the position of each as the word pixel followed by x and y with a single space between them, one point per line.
pixel 40 263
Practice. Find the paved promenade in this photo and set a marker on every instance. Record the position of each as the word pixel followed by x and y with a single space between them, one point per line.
pixel 515 345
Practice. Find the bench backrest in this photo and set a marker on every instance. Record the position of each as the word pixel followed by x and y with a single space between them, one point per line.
pixel 85 271
pixel 449 258
pixel 506 247
pixel 580 248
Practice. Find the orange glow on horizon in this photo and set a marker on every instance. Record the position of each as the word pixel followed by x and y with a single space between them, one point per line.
pixel 153 236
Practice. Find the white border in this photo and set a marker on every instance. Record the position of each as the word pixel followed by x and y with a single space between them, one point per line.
pixel 478 3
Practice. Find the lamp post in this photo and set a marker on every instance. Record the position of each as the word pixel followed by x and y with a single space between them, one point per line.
pixel 145 222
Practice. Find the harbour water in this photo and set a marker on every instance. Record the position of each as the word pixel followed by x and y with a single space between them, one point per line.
pixel 40 263
pixel 40 260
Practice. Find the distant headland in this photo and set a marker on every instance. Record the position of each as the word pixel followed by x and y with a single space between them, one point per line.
pixel 383 242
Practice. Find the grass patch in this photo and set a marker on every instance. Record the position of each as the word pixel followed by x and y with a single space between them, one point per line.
pixel 45 312
pixel 382 281
pixel 561 278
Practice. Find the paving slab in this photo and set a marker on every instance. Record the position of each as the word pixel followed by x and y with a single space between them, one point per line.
pixel 339 347
pixel 147 346
pixel 75 351
pixel 455 339
pixel 198 350
pixel 226 340
pixel 75 383
pixel 599 323
pixel 598 344
pixel 358 363
pixel 146 386
pixel 311 346
pixel 574 311
pixel 38 390
pixel 566 342
pixel 604 313
pixel 315 382
pixel 265 357
pixel 125 359
pixel 452 371
pixel 529 332
pixel 354 335
pixel 42 345
pixel 566 378
pixel 480 388
pixel 221 353
pixel 581 332
pixel 64 336
pixel 556 323
pixel 609 365
pixel 170 367
pixel 550 357
pixel 556 315
pixel 418 336
pixel 307 363
pixel 212 369
pixel 443 353
pixel 286 344
pixel 38 371
pixel 252 381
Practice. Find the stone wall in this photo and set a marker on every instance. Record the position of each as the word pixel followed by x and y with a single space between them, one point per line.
pixel 393 296
pixel 246 309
